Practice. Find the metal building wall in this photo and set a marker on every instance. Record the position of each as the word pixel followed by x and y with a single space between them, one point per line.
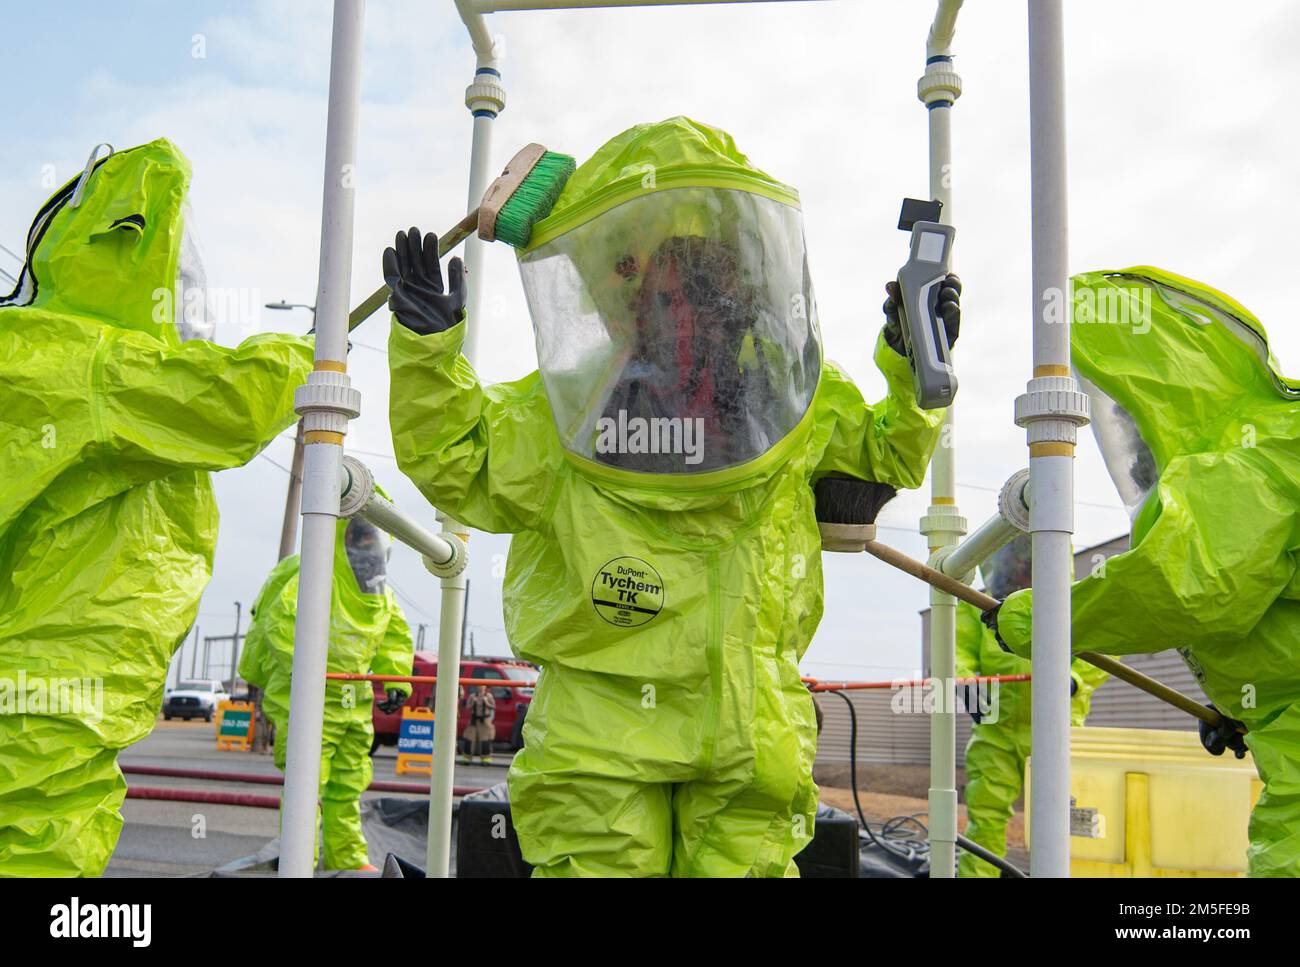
pixel 884 736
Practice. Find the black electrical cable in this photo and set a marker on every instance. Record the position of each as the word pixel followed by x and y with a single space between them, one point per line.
pixel 970 846
pixel 908 848
pixel 905 844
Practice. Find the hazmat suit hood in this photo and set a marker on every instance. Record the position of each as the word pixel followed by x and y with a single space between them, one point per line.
pixel 1173 367
pixel 108 519
pixel 676 327
pixel 356 609
pixel 361 554
pixel 115 246
pixel 367 549
pixel 1008 569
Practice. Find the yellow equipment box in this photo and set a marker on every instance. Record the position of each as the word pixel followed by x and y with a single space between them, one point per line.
pixel 1149 802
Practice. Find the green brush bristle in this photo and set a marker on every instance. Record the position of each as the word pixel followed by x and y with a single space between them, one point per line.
pixel 533 199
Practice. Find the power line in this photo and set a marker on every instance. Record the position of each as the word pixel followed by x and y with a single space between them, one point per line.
pixel 408 599
pixel 290 436
pixel 1084 503
pixel 274 464
pixel 370 453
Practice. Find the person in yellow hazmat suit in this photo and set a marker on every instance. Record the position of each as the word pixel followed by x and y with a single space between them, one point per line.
pixel 115 408
pixel 368 635
pixel 656 473
pixel 1197 425
pixel 1000 742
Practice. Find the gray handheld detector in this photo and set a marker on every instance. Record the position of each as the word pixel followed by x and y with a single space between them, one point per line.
pixel 924 335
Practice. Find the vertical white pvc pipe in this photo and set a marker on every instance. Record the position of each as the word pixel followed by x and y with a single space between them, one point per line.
pixel 942 818
pixel 485 98
pixel 323 455
pixel 479 178
pixel 451 614
pixel 1051 469
pixel 943 525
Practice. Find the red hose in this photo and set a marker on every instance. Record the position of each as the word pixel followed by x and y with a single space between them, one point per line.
pixel 203 774
pixel 199 795
pixel 428 680
pixel 219 775
pixel 850 686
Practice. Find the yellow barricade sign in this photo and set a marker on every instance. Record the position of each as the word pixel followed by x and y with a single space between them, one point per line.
pixel 415 742
pixel 235 726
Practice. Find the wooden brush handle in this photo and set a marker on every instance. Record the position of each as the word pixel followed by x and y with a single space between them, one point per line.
pixel 462 230
pixel 950 585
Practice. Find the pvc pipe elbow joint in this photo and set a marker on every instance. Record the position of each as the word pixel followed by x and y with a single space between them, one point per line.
pixel 456 564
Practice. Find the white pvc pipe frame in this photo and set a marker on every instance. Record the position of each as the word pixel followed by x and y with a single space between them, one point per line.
pixel 323 467
pixel 943 524
pixel 1054 479
pixel 323 453
pixel 1050 410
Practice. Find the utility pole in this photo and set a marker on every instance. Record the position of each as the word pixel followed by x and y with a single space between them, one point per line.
pixel 288 542
pixel 464 617
pixel 234 651
pixel 292 500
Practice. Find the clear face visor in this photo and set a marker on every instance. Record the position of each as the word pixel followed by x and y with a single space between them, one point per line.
pixel 1129 460
pixel 367 548
pixel 191 292
pixel 676 333
pixel 1009 569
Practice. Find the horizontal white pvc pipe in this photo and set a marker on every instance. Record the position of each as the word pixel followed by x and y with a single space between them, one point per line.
pixel 990 537
pixel 386 515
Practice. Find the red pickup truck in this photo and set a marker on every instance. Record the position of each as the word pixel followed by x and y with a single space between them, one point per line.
pixel 511 703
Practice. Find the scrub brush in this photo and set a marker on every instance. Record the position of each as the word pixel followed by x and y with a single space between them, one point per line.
pixel 523 195
pixel 847 509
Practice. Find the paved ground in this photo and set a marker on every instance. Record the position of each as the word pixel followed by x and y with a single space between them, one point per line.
pixel 163 838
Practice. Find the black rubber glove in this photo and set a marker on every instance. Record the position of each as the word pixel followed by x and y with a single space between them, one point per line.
pixel 411 270
pixel 970 699
pixel 1227 735
pixel 948 307
pixel 990 619
pixel 395 700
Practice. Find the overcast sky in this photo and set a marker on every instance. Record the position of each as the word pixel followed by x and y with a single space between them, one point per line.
pixel 1182 150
